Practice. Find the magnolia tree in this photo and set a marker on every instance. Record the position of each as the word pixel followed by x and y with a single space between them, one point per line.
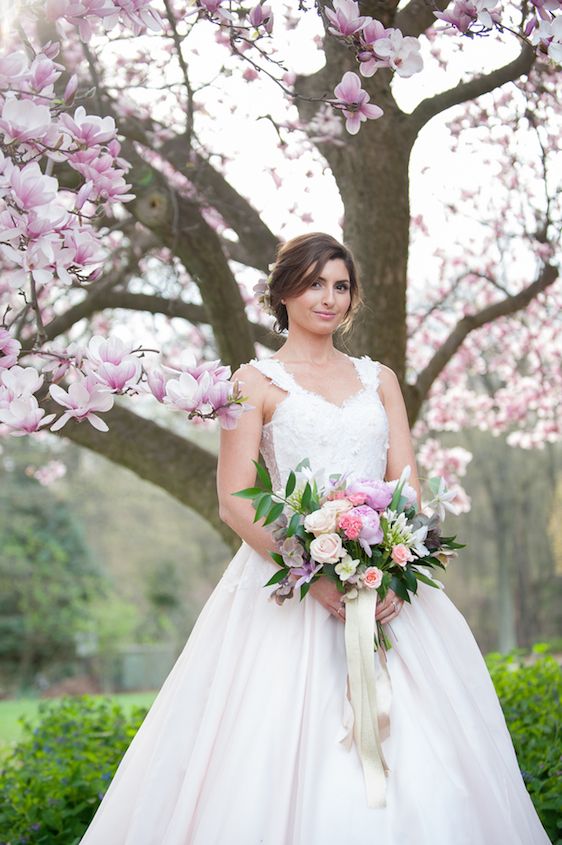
pixel 115 193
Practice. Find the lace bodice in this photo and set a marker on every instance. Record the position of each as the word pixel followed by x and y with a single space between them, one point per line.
pixel 352 437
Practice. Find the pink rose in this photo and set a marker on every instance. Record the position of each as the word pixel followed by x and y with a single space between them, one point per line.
pixel 401 554
pixel 372 577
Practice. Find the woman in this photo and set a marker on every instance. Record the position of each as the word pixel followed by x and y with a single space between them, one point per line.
pixel 250 741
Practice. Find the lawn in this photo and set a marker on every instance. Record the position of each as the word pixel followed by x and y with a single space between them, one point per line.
pixel 11 711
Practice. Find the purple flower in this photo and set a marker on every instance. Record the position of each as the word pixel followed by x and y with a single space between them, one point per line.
pixel 306 571
pixel 377 493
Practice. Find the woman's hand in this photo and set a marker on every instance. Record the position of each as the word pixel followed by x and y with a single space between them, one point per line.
pixel 326 592
pixel 329 596
pixel 389 608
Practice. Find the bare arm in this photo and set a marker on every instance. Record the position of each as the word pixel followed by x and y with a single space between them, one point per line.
pixel 400 448
pixel 235 470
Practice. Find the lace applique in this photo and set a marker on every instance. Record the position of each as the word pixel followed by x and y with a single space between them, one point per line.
pixel 352 437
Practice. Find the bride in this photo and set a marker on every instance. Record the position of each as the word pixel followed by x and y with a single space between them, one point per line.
pixel 250 740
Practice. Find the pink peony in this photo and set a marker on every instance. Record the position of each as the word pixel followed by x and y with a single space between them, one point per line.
pixel 377 494
pixel 372 577
pixel 371 531
pixel 356 498
pixel 401 554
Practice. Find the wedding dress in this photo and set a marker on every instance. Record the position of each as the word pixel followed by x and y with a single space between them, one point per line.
pixel 246 742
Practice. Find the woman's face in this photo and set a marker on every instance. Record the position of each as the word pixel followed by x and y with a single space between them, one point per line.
pixel 324 304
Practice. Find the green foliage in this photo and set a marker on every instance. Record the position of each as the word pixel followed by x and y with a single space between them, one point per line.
pixel 56 776
pixel 47 578
pixel 531 699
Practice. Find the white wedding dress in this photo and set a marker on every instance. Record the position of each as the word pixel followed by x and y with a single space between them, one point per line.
pixel 245 743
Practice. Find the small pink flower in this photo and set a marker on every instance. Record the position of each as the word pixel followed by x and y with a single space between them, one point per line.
pixel 356 498
pixel 9 349
pixel 372 577
pixel 401 554
pixel 351 525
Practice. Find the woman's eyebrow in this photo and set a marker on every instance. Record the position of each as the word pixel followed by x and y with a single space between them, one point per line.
pixel 322 279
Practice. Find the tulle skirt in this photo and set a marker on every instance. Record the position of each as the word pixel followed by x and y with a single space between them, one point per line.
pixel 244 743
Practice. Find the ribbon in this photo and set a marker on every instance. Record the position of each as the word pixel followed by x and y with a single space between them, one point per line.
pixel 369 693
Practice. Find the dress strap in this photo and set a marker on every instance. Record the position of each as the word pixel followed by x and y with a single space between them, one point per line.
pixel 276 373
pixel 369 371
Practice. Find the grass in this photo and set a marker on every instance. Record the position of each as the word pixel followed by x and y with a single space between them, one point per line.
pixel 11 711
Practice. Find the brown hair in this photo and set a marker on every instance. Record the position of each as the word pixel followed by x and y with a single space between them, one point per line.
pixel 298 264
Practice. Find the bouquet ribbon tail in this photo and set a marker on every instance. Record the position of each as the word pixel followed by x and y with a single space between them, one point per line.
pixel 370 693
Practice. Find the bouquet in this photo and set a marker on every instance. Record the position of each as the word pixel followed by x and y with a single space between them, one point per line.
pixel 362 534
pixel 367 536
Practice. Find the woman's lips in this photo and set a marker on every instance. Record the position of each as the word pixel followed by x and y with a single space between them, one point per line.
pixel 327 315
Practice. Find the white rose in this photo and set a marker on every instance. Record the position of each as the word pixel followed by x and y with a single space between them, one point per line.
pixel 327 548
pixel 338 506
pixel 321 521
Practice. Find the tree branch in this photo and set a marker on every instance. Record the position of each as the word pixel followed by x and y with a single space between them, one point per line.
pixel 509 305
pixel 473 88
pixel 152 303
pixel 418 16
pixel 150 451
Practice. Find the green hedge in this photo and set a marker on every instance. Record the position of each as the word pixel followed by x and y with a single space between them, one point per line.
pixel 57 774
pixel 531 699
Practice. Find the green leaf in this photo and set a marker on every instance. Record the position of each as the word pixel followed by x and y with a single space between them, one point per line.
pixel 294 523
pixel 306 496
pixel 277 558
pixel 421 577
pixel 262 506
pixel 304 589
pixel 290 485
pixel 278 576
pixel 410 579
pixel 248 492
pixel 274 513
pixel 399 587
pixel 263 475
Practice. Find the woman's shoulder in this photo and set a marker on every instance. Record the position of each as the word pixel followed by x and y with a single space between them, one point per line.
pixel 384 375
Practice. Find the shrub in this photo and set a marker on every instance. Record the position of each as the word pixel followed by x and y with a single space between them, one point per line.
pixel 531 699
pixel 57 774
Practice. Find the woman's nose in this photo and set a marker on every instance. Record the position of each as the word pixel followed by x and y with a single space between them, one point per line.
pixel 328 295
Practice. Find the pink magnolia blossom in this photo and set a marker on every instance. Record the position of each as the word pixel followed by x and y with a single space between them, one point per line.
pixel 24 416
pixel 48 473
pixel 157 379
pixel 12 66
pixel 402 54
pixel 30 188
pixel 261 15
pixel 354 102
pixel 110 362
pixel 82 399
pixel 229 415
pixel 9 349
pixel 23 120
pixel 345 17
pixel 185 392
pixel 89 129
pixel 20 381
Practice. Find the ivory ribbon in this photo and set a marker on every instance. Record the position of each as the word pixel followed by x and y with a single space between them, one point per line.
pixel 370 693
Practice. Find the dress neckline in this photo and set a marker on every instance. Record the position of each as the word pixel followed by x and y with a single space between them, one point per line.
pixel 303 390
